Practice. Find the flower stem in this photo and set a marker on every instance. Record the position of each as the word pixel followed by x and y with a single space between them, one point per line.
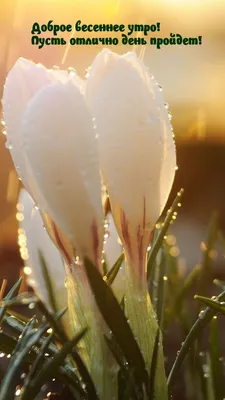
pixel 93 348
pixel 142 320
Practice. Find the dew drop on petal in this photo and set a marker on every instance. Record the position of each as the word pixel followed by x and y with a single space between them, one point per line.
pixel 9 145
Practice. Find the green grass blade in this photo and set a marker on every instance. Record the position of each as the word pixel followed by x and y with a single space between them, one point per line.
pixel 116 320
pixel 216 365
pixel 209 380
pixel 162 282
pixel 54 320
pixel 9 382
pixel 85 375
pixel 20 300
pixel 153 367
pixel 9 296
pixel 111 275
pixel 215 305
pixel 158 243
pixel 203 320
pixel 37 362
pixel 48 370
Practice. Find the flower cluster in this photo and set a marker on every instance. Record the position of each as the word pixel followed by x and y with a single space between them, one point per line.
pixel 77 144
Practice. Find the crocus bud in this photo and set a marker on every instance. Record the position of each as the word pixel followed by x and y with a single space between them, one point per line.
pixel 136 146
pixel 24 80
pixel 33 234
pixel 60 148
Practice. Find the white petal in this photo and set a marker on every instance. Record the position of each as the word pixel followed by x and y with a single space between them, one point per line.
pixel 38 240
pixel 137 152
pixel 60 145
pixel 112 247
pixel 23 81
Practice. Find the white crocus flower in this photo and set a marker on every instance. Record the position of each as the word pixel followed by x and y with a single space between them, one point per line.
pixel 137 151
pixel 51 139
pixel 60 147
pixel 37 241
pixel 137 160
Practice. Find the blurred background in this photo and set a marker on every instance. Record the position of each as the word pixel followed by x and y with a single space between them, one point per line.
pixel 193 82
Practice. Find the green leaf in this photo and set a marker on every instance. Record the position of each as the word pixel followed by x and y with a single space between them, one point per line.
pixel 203 320
pixel 9 296
pixel 116 320
pixel 111 275
pixel 158 243
pixel 153 368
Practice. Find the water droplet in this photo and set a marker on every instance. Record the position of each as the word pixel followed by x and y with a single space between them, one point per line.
pixel 201 314
pixel 170 116
pixel 205 368
pixel 2 122
pixel 201 353
pixel 4 132
pixel 23 376
pixel 97 136
pixel 17 392
pixel 160 88
pixel 8 145
pixel 166 106
pixel 2 355
pixel 31 306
